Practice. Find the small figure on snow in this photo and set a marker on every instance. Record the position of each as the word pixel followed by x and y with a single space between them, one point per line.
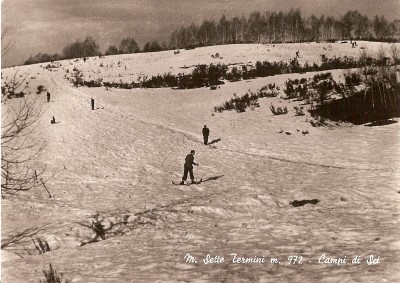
pixel 53 121
pixel 297 54
pixel 206 133
pixel 92 103
pixel 48 96
pixel 188 167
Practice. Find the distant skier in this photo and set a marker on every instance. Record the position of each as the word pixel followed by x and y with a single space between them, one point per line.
pixel 53 120
pixel 206 133
pixel 297 54
pixel 92 103
pixel 188 167
pixel 48 96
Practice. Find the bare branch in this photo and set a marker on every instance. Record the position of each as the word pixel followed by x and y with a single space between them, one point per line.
pixel 6 45
pixel 21 114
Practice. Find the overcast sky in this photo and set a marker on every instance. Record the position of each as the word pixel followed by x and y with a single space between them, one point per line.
pixel 49 25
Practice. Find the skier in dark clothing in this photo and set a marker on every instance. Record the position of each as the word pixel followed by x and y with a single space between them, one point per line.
pixel 188 168
pixel 92 103
pixel 48 96
pixel 297 54
pixel 206 133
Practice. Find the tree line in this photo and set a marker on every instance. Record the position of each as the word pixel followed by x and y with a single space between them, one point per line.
pixel 89 47
pixel 258 27
pixel 285 27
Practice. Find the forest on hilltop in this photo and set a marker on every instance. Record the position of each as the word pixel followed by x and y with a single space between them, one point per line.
pixel 272 27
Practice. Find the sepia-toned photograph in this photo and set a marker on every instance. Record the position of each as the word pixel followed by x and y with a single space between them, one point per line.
pixel 200 141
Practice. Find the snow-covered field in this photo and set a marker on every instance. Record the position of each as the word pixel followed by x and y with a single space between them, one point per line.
pixel 133 67
pixel 118 161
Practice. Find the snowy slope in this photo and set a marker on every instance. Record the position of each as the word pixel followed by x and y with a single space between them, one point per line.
pixel 118 162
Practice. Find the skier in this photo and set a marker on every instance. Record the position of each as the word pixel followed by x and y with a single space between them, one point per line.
pixel 206 133
pixel 53 121
pixel 297 54
pixel 92 103
pixel 48 96
pixel 189 162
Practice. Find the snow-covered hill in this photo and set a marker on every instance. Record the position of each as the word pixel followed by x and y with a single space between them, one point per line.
pixel 116 163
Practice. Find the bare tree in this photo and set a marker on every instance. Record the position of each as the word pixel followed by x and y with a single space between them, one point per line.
pixel 21 113
pixel 6 45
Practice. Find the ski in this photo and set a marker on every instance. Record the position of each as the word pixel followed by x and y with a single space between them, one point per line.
pixel 179 184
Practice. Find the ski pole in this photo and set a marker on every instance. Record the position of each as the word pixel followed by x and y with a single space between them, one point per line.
pixel 197 171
